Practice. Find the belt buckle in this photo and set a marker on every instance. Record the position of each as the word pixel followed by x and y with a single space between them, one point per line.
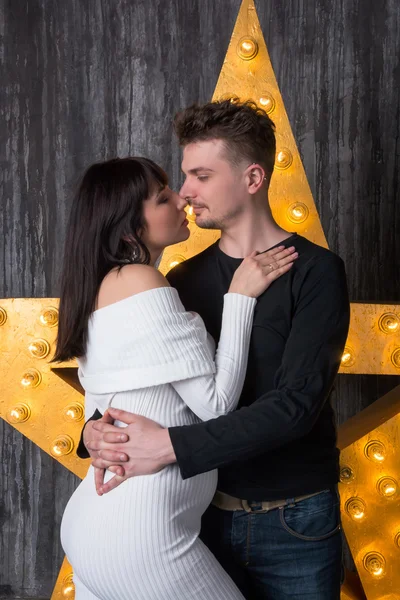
pixel 248 508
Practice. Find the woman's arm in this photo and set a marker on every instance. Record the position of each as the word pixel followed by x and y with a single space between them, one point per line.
pixel 210 396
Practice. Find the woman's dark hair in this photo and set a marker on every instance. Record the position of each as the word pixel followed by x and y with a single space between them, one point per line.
pixel 103 232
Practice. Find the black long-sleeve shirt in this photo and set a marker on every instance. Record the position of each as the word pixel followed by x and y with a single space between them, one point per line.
pixel 281 441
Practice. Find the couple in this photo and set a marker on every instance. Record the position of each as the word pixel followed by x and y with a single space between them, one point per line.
pixel 270 522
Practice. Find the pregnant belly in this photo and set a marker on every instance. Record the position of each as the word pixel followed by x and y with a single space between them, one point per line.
pixel 158 513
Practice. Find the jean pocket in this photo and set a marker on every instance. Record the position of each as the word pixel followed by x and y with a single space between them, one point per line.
pixel 313 519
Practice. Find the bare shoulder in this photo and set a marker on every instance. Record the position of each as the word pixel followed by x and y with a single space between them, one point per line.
pixel 128 281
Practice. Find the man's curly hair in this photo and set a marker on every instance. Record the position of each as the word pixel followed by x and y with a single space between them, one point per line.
pixel 246 130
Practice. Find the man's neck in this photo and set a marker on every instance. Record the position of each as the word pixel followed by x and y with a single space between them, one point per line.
pixel 252 232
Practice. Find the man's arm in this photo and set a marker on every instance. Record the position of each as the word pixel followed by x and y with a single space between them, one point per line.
pixel 303 382
pixel 310 363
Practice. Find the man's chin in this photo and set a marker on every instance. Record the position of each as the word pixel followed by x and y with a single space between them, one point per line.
pixel 207 224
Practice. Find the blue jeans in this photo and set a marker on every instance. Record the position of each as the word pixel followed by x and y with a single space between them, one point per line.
pixel 288 553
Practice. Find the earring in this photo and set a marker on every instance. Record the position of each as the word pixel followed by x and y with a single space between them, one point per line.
pixel 135 254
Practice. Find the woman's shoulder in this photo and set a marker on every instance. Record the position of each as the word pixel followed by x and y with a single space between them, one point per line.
pixel 128 281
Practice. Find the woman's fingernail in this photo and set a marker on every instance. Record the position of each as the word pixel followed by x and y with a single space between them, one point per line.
pixel 123 437
pixel 122 457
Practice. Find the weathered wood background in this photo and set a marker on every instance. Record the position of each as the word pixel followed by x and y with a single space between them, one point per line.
pixel 82 81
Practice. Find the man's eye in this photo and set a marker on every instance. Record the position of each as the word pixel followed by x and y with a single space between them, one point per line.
pixel 202 177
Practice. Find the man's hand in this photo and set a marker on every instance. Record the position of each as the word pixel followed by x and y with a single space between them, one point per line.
pixel 114 434
pixel 148 448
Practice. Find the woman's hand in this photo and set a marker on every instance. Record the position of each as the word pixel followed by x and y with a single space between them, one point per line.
pixel 258 271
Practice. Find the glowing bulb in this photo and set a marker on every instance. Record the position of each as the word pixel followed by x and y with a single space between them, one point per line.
pixel 355 507
pixel 348 358
pixel 19 413
pixel 284 159
pixel 231 97
pixel 297 212
pixel 190 214
pixel 346 475
pixel 49 317
pixel 39 348
pixel 395 358
pixel 3 316
pixel 374 563
pixel 247 48
pixel 375 451
pixel 62 445
pixel 74 412
pixel 176 260
pixel 68 587
pixel 267 102
pixel 387 487
pixel 389 323
pixel 31 379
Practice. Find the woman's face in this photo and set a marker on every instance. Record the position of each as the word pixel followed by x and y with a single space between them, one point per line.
pixel 165 220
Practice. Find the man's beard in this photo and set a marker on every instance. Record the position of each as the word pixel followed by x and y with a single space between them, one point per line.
pixel 209 224
pixel 219 223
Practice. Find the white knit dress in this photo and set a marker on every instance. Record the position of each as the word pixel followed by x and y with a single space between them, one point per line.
pixel 149 356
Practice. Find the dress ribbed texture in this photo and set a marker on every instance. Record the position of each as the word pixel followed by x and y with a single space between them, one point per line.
pixel 149 356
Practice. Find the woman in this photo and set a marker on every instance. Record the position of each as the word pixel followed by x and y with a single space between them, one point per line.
pixel 139 350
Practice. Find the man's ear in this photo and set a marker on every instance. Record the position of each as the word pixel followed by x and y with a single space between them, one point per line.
pixel 255 178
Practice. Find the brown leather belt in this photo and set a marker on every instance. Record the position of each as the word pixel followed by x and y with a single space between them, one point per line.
pixel 227 502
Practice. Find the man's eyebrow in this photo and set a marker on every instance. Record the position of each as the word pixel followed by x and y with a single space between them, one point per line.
pixel 198 169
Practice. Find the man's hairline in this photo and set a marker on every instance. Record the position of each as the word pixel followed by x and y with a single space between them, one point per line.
pixel 227 154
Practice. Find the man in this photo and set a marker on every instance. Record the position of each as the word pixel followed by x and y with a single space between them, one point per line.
pixel 275 520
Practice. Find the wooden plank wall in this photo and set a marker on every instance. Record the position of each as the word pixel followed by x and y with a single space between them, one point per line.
pixel 82 81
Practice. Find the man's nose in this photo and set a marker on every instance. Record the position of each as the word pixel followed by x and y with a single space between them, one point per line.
pixel 181 202
pixel 186 191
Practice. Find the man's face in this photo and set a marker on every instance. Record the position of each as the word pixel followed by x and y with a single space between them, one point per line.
pixel 214 187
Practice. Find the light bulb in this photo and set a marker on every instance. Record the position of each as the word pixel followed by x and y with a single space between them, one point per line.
pixel 3 316
pixel 176 259
pixel 348 358
pixel 284 159
pixel 298 212
pixel 387 487
pixel 355 507
pixel 190 214
pixel 49 317
pixel 19 413
pixel 267 102
pixel 74 412
pixel 68 587
pixel 395 358
pixel 346 475
pixel 31 379
pixel 389 323
pixel 233 98
pixel 375 451
pixel 374 563
pixel 62 445
pixel 247 48
pixel 39 348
